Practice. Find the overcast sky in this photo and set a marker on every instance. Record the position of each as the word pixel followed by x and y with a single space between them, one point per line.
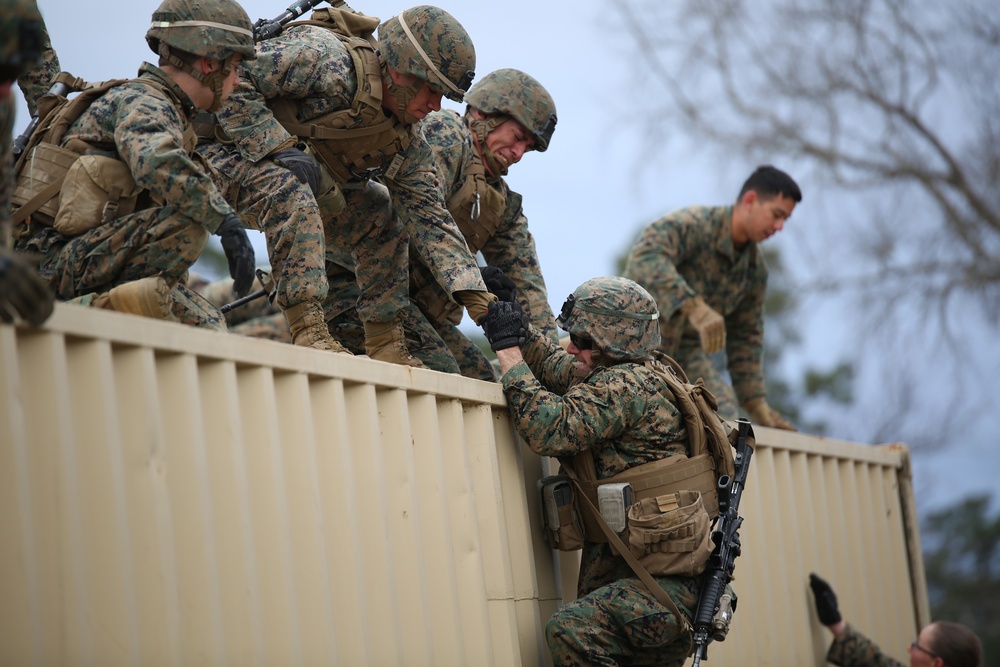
pixel 596 187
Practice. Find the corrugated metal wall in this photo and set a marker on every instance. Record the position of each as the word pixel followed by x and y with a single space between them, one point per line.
pixel 177 497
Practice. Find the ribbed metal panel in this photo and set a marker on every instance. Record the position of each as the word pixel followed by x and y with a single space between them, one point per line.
pixel 171 496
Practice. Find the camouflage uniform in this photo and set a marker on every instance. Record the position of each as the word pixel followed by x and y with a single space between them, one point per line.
pixel 691 252
pixel 853 649
pixel 145 127
pixel 310 67
pixel 623 414
pixel 438 342
pixel 36 82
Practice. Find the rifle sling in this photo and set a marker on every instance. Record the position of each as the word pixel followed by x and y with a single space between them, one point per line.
pixel 640 571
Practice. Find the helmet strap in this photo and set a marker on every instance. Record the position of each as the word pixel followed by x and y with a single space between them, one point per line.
pixel 481 128
pixel 402 95
pixel 214 80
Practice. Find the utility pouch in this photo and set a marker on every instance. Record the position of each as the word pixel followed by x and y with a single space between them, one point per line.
pixel 331 196
pixel 613 501
pixel 97 189
pixel 670 534
pixel 44 167
pixel 560 518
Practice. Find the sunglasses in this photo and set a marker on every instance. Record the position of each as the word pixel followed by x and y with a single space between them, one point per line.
pixel 581 342
pixel 917 647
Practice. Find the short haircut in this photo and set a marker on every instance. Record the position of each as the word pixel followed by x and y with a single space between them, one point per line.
pixel 768 182
pixel 956 644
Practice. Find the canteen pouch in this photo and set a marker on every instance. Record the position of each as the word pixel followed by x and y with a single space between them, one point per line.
pixel 560 519
pixel 97 189
pixel 670 534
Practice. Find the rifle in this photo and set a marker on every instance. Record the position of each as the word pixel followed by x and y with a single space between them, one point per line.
pixel 712 618
pixel 264 29
pixel 58 88
pixel 265 280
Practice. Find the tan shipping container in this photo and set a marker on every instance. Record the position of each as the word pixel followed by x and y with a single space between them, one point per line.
pixel 171 496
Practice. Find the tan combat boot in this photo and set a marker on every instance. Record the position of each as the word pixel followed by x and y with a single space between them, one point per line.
pixel 149 297
pixel 384 341
pixel 308 328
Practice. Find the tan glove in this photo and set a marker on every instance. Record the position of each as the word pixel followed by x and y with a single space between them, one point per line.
pixel 761 413
pixel 707 322
pixel 476 303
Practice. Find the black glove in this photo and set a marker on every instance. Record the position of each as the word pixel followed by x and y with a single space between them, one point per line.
pixel 302 165
pixel 22 292
pixel 498 283
pixel 826 601
pixel 505 325
pixel 239 252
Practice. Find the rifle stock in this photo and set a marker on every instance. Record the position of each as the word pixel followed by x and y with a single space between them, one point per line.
pixel 264 29
pixel 21 142
pixel 719 571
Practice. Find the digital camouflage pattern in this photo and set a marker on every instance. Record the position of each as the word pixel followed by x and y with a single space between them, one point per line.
pixel 624 416
pixel 144 126
pixel 309 66
pixel 436 35
pixel 511 92
pixel 435 341
pixel 272 200
pixel 35 70
pixel 225 29
pixel 617 314
pixel 691 252
pixel 853 649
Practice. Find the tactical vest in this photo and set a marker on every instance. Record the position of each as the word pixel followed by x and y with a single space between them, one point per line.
pixel 361 142
pixel 478 209
pixel 711 445
pixel 76 186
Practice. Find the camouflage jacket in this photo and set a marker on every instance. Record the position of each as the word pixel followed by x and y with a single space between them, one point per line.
pixel 512 247
pixel 36 82
pixel 690 253
pixel 311 67
pixel 623 414
pixel 145 127
pixel 853 649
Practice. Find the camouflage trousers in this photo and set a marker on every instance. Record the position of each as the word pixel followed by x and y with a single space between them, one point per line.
pixel 152 242
pixel 271 199
pixel 621 623
pixel 697 364
pixel 368 240
pixel 440 346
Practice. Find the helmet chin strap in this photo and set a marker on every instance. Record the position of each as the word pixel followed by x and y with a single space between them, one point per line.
pixel 481 128
pixel 402 94
pixel 214 80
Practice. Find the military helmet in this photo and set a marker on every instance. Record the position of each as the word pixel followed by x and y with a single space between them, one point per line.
pixel 511 92
pixel 21 37
pixel 617 314
pixel 215 29
pixel 430 44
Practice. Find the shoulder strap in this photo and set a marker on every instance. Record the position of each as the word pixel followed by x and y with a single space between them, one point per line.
pixel 707 432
